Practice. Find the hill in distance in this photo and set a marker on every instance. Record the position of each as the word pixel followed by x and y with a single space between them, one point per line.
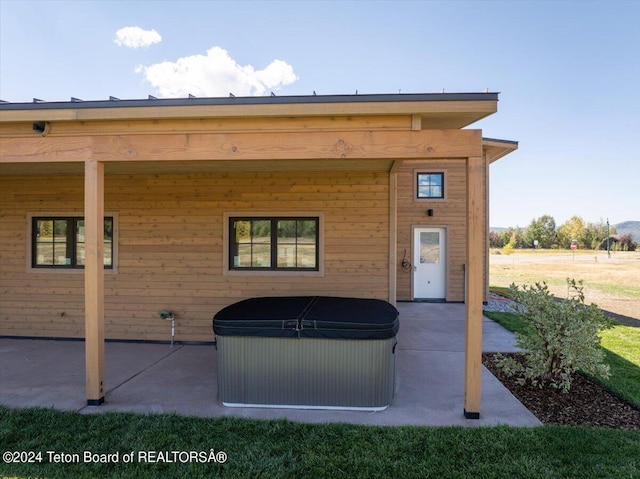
pixel 629 227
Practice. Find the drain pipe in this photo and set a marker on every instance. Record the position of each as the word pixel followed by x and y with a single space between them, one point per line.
pixel 168 315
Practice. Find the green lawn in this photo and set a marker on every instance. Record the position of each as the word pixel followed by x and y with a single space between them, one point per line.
pixel 282 449
pixel 622 348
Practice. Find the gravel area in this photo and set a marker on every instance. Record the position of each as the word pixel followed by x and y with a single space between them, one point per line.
pixel 499 304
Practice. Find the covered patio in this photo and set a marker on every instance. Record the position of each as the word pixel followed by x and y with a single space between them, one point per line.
pixel 156 378
pixel 120 209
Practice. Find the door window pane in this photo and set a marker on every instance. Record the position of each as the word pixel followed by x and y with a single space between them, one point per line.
pixel 429 247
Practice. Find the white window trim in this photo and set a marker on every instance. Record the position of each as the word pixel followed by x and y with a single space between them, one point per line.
pixel 68 214
pixel 226 271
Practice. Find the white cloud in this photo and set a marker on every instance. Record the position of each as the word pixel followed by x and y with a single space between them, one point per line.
pixel 215 74
pixel 136 37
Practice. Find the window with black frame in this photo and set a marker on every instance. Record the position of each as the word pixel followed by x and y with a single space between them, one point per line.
pixel 59 242
pixel 430 185
pixel 276 244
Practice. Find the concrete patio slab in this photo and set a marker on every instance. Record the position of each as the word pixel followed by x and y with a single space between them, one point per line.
pixel 155 378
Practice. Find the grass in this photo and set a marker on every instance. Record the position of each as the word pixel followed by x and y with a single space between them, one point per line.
pixel 620 344
pixel 280 449
pixel 612 283
pixel 622 348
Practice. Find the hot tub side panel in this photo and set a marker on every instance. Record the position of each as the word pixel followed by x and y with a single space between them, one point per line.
pixel 306 372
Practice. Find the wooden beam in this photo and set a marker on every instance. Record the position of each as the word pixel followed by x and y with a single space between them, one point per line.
pixel 208 125
pixel 290 146
pixel 475 285
pixel 316 145
pixel 94 280
pixel 45 149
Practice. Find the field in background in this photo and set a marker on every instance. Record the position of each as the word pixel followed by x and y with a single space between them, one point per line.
pixel 613 283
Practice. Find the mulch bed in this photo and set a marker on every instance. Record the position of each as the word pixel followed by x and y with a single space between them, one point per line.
pixel 586 404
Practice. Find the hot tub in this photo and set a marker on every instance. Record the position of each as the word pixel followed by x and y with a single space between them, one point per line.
pixel 311 352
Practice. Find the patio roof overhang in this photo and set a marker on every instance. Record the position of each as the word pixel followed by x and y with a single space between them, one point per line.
pixel 495 149
pixel 435 110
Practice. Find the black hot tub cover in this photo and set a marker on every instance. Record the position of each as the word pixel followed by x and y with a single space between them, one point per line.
pixel 308 317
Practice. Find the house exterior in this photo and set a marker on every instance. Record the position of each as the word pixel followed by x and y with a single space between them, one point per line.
pixel 114 210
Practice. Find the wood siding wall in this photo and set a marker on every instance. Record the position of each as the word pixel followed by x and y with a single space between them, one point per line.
pixel 170 251
pixel 449 212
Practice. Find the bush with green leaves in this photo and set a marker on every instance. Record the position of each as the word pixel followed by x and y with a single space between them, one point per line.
pixel 562 337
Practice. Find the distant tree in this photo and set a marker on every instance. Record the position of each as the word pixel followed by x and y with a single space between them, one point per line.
pixel 512 236
pixel 595 234
pixel 495 240
pixel 626 243
pixel 542 229
pixel 572 229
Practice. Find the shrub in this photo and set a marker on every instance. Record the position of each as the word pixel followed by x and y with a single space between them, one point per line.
pixel 563 337
pixel 507 249
pixel 512 243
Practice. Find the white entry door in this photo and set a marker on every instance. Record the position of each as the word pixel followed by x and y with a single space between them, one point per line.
pixel 429 263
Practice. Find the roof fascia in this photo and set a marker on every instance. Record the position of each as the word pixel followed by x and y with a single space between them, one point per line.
pixel 495 149
pixel 482 104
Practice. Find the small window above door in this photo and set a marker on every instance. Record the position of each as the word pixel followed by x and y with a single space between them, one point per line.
pixel 430 185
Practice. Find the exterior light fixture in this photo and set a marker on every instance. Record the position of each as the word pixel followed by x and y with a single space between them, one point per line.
pixel 41 128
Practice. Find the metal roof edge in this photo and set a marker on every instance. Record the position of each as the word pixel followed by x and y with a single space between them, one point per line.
pixel 76 104
pixel 496 140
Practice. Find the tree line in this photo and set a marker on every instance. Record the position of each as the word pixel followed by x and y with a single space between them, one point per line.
pixel 543 233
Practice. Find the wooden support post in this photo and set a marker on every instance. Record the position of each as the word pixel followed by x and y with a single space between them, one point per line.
pixel 475 286
pixel 485 234
pixel 94 280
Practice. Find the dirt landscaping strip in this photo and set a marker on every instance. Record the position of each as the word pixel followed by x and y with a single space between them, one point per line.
pixel 586 404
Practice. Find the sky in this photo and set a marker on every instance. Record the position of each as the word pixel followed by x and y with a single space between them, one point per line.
pixel 568 74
